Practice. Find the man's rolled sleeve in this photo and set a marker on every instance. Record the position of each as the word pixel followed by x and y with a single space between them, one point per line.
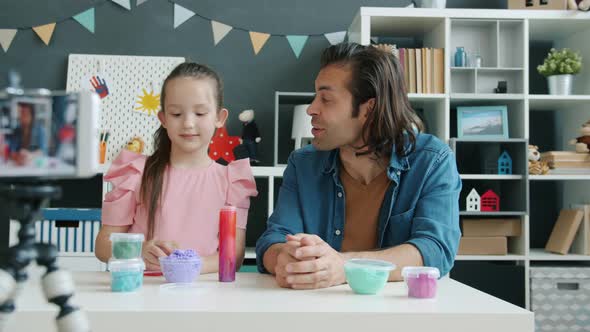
pixel 435 229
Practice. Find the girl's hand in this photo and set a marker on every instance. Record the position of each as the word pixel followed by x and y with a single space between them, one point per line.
pixel 152 250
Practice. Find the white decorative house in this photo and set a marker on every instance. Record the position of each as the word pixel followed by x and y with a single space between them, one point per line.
pixel 473 201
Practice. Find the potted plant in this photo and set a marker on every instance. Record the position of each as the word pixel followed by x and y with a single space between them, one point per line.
pixel 559 67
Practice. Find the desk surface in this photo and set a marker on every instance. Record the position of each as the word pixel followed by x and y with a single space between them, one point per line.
pixel 255 303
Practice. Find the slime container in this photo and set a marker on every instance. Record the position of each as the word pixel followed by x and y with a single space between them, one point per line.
pixel 421 281
pixel 182 266
pixel 367 276
pixel 126 245
pixel 126 274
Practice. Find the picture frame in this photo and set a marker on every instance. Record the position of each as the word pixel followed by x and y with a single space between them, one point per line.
pixel 489 122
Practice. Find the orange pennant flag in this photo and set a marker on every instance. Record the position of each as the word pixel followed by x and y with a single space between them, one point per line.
pixel 258 40
pixel 45 32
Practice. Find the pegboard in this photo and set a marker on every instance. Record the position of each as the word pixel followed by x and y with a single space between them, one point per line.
pixel 126 76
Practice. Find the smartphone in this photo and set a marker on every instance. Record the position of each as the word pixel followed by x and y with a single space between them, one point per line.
pixel 48 135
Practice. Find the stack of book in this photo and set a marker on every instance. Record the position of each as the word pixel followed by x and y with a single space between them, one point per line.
pixel 423 69
pixel 488 236
pixel 567 162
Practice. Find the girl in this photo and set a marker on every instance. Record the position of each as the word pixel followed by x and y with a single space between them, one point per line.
pixel 174 196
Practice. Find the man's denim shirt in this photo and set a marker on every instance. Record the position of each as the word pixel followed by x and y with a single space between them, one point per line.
pixel 421 205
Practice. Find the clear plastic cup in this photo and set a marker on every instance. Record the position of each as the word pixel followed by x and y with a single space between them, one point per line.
pixel 126 245
pixel 367 276
pixel 126 274
pixel 422 281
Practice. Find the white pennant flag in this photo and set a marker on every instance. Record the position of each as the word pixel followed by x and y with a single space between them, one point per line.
pixel 6 37
pixel 181 15
pixel 139 2
pixel 335 37
pixel 123 3
pixel 220 30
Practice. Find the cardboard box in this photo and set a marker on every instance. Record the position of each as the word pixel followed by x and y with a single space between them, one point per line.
pixel 481 245
pixel 581 244
pixel 563 233
pixel 538 4
pixel 491 227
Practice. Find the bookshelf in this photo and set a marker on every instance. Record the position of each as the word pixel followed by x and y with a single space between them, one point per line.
pixel 511 44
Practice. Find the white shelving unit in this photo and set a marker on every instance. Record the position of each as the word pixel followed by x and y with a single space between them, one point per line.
pixel 504 39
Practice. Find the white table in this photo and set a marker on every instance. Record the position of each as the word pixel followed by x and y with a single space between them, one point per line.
pixel 255 303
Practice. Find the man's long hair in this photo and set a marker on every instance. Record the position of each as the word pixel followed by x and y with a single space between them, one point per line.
pixel 378 74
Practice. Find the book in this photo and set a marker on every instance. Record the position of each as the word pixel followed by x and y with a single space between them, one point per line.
pixel 412 71
pixel 419 70
pixel 581 244
pixel 565 156
pixel 569 164
pixel 438 70
pixel 564 231
pixel 428 70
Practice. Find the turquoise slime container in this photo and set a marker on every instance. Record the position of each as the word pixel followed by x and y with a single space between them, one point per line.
pixel 367 276
pixel 126 274
pixel 126 245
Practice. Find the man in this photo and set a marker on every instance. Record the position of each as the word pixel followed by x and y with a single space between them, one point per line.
pixel 371 186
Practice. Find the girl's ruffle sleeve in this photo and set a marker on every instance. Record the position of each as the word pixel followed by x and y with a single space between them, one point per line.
pixel 118 207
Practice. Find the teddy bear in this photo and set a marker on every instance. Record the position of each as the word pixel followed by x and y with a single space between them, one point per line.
pixel 583 5
pixel 135 145
pixel 582 142
pixel 536 166
pixel 250 134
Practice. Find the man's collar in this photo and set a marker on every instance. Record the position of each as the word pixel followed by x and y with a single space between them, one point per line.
pixel 396 163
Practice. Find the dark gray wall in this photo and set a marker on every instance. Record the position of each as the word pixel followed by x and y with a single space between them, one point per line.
pixel 147 30
pixel 250 81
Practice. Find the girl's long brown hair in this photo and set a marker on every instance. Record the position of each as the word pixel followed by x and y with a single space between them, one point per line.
pixel 152 179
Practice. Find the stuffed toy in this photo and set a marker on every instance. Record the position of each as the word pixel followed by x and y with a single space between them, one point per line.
pixel 582 142
pixel 536 166
pixel 135 145
pixel 250 134
pixel 583 5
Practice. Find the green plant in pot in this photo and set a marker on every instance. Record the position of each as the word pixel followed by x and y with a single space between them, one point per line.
pixel 559 67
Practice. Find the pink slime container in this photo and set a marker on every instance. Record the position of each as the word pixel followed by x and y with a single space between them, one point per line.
pixel 421 281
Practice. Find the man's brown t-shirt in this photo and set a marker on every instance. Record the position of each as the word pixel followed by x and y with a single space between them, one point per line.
pixel 363 202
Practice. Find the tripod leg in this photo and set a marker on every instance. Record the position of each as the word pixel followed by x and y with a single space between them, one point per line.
pixel 6 309
pixel 58 287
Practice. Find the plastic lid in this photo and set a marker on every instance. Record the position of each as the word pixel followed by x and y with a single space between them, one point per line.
pixel 416 271
pixel 228 208
pixel 127 237
pixel 116 265
pixel 370 263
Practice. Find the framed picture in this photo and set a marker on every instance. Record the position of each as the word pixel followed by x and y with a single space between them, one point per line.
pixel 482 122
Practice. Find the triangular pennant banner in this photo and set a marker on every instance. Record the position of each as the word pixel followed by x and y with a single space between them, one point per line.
pixel 6 37
pixel 139 2
pixel 258 40
pixel 123 3
pixel 335 37
pixel 297 43
pixel 45 32
pixel 86 18
pixel 181 14
pixel 220 30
